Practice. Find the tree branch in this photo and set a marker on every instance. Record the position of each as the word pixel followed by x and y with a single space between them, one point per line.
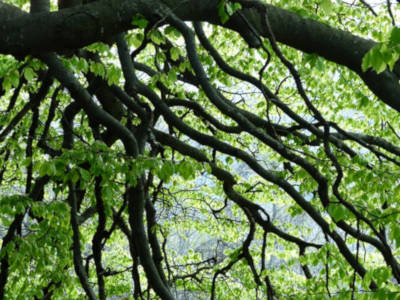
pixel 71 28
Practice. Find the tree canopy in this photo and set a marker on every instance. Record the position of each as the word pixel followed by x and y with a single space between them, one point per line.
pixel 186 149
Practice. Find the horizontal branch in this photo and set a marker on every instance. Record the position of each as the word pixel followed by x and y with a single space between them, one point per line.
pixel 22 34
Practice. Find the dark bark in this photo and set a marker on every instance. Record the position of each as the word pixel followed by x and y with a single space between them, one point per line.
pixel 137 195
pixel 97 239
pixel 76 247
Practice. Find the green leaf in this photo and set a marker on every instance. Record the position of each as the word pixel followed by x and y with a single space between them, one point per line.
pixel 140 21
pixel 172 78
pixel 29 74
pixel 74 175
pixel 207 167
pixel 85 175
pixel 156 37
pixel 113 75
pixel 395 35
pixel 171 31
pixel 137 39
pixel 386 53
pixel 26 162
pixel 381 274
pixel 60 165
pixel 236 6
pixel 326 6
pixel 6 85
pixel 185 169
pixel 378 63
pixel 364 101
pixel 14 78
pixel 337 212
pixel 174 53
pixel 167 170
pixel 233 255
pixel 47 168
pixel 374 59
pixel 394 59
pixel 229 9
pixel 132 178
pixel 224 17
pixel 229 160
pixel 82 65
pixel 106 193
pixel 395 234
pixel 97 68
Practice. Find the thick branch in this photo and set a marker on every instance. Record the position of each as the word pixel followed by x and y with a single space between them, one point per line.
pixel 21 33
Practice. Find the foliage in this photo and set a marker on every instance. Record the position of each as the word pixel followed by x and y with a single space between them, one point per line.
pixel 178 161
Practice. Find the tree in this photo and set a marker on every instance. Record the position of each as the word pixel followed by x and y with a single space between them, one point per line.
pixel 192 149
